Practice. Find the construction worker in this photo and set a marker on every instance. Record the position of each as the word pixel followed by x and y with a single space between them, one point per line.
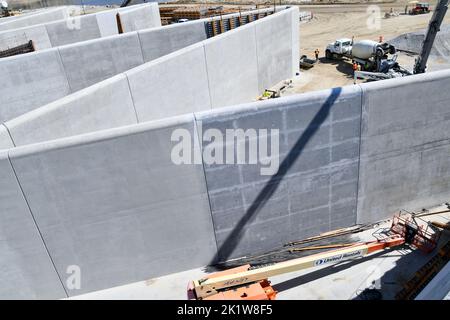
pixel 317 54
pixel 355 68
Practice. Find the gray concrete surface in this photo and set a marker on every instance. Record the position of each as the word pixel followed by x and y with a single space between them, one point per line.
pixel 81 28
pixel 315 188
pixel 277 48
pixel 387 271
pixel 140 17
pixel 5 139
pixel 158 42
pixel 115 205
pixel 79 113
pixel 27 270
pixel 232 66
pixel 33 18
pixel 163 87
pixel 18 37
pixel 25 84
pixel 405 145
pixel 93 61
pixel 73 30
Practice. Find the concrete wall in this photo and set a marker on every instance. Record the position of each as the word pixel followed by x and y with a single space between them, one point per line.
pixel 31 81
pixel 33 18
pixel 223 70
pixel 27 270
pixel 93 61
pixel 114 204
pixel 174 88
pixel 158 42
pixel 122 185
pixel 81 28
pixel 140 17
pixel 5 139
pixel 314 190
pixel 405 145
pixel 42 77
pixel 75 114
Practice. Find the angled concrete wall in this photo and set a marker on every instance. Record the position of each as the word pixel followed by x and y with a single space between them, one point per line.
pixel 5 139
pixel 81 28
pixel 114 204
pixel 314 190
pixel 405 145
pixel 140 17
pixel 232 66
pixel 92 61
pixel 158 42
pixel 29 82
pixel 33 18
pixel 43 77
pixel 174 87
pixel 110 107
pixel 223 70
pixel 27 270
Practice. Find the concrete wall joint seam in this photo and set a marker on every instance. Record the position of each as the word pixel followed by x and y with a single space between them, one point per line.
pixel 36 225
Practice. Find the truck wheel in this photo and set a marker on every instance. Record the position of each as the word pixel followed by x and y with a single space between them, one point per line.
pixel 328 55
pixel 379 53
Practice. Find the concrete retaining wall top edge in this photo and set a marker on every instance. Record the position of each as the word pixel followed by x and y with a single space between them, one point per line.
pixel 94 137
pixel 306 98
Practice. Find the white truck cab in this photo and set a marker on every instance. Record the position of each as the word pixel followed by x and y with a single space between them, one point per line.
pixel 339 47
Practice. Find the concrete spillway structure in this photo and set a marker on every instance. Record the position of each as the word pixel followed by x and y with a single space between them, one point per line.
pixel 107 197
pixel 84 27
pixel 106 259
pixel 114 202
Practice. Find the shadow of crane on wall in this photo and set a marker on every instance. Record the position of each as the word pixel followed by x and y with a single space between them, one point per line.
pixel 233 239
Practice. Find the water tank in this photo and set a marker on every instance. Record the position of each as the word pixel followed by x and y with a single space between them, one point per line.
pixel 364 49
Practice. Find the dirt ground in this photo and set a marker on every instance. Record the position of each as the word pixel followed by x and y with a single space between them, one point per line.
pixel 345 21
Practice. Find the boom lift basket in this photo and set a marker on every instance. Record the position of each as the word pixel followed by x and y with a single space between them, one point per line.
pixel 416 232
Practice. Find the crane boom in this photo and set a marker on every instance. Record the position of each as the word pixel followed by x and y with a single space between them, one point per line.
pixel 433 29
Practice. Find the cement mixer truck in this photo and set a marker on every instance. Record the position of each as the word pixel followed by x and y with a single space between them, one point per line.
pixel 371 56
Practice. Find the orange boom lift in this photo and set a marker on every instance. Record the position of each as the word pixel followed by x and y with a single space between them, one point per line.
pixel 248 283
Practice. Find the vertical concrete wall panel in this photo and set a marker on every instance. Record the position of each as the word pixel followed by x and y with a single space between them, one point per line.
pixel 41 16
pixel 231 60
pixel 158 42
pixel 405 145
pixel 73 30
pixel 313 191
pixel 17 37
pixel 167 87
pixel 25 84
pixel 141 17
pixel 107 22
pixel 116 205
pixel 5 139
pixel 93 61
pixel 26 269
pixel 107 105
pixel 274 47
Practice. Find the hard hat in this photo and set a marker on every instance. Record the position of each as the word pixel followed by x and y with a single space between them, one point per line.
pixel 4 4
